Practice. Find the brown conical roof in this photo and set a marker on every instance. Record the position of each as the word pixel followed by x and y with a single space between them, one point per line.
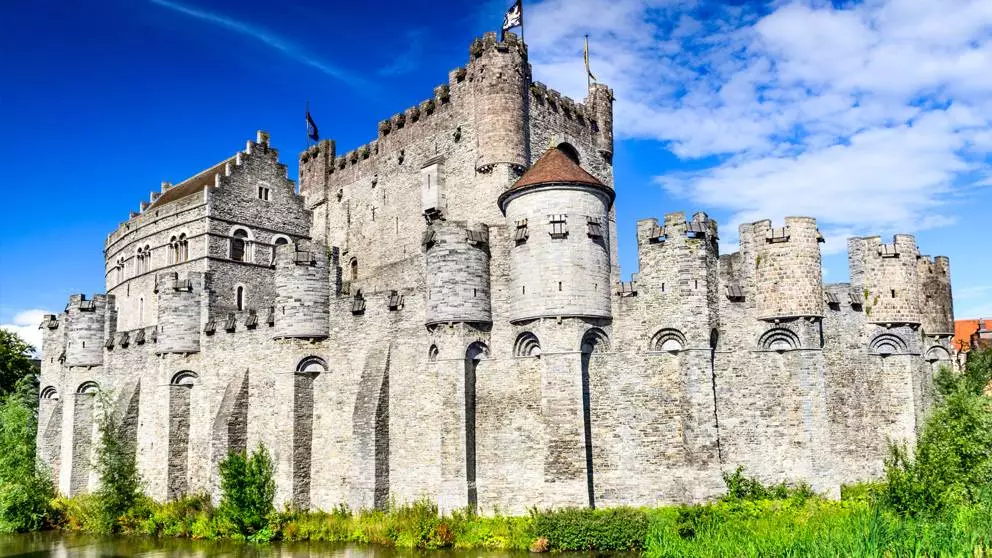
pixel 556 166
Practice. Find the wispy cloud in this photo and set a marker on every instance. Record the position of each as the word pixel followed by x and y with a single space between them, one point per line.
pixel 873 117
pixel 25 325
pixel 273 41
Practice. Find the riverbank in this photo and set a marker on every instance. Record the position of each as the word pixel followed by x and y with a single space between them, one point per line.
pixel 798 524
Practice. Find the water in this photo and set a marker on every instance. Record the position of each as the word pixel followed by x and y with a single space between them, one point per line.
pixel 58 544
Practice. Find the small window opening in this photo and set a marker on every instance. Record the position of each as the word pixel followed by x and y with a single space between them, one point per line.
pixel 263 193
pixel 523 289
pixel 239 242
pixel 354 269
pixel 893 293
pixel 662 287
pixel 241 298
pixel 559 286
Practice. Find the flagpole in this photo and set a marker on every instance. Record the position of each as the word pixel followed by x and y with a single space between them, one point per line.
pixel 308 124
pixel 522 22
pixel 588 73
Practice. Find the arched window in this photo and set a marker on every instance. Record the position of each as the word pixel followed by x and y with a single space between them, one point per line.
pixel 354 269
pixel 278 241
pixel 119 271
pixel 432 353
pixel 239 245
pixel 141 310
pixel 173 250
pixel 239 296
pixel 885 344
pixel 139 262
pixel 183 248
pixel 185 378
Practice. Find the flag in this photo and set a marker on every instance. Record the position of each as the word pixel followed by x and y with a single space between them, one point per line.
pixel 586 55
pixel 312 128
pixel 514 18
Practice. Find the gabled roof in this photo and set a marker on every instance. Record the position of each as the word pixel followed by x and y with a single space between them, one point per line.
pixel 191 185
pixel 556 166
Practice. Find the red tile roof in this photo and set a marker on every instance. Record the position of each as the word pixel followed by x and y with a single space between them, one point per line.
pixel 964 329
pixel 555 167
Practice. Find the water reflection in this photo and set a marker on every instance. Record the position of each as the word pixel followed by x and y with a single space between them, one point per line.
pixel 58 544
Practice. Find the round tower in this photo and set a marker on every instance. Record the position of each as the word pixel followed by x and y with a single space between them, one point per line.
pixel 558 217
pixel 935 286
pixel 885 276
pixel 500 75
pixel 85 330
pixel 178 312
pixel 457 273
pixel 788 277
pixel 302 290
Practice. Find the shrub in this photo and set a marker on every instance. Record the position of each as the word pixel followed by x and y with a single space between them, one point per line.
pixel 953 461
pixel 25 487
pixel 120 484
pixel 741 488
pixel 614 529
pixel 247 491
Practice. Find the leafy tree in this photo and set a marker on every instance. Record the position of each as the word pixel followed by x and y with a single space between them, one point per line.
pixel 247 491
pixel 15 361
pixel 25 486
pixel 120 483
pixel 953 461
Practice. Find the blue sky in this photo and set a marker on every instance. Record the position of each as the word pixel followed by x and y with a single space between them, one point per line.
pixel 875 118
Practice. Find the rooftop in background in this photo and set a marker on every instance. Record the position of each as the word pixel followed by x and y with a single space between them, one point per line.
pixel 965 329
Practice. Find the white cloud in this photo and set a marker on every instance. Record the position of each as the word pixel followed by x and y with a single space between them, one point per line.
pixel 26 325
pixel 874 118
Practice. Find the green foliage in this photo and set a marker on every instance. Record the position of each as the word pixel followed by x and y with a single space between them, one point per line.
pixel 25 487
pixel 613 529
pixel 120 493
pixel 952 465
pixel 741 487
pixel 15 362
pixel 247 488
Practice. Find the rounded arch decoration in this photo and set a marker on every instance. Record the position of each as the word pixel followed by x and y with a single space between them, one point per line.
pixel 88 388
pixel 669 340
pixel 885 344
pixel 312 365
pixel 595 340
pixel 937 353
pixel 48 392
pixel 779 340
pixel 184 378
pixel 527 345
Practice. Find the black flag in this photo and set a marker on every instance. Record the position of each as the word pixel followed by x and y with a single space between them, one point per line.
pixel 514 18
pixel 312 128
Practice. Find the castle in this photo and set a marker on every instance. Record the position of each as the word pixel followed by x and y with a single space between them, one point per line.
pixel 439 314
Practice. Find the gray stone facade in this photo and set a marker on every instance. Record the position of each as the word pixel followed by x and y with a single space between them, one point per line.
pixel 389 333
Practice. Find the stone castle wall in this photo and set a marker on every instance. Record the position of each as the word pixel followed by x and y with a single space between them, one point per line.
pixel 407 342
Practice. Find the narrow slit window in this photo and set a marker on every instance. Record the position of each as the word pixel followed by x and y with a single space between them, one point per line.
pixel 521 233
pixel 595 226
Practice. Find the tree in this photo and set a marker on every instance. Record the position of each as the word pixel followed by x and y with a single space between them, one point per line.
pixel 120 483
pixel 25 486
pixel 247 491
pixel 15 361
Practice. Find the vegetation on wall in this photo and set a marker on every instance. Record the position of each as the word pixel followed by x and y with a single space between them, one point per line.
pixel 934 501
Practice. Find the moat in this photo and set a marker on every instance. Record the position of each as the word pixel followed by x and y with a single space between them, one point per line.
pixel 62 544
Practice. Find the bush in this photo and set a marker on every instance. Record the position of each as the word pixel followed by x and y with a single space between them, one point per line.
pixel 614 529
pixel 743 488
pixel 247 491
pixel 25 486
pixel 953 461
pixel 120 484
